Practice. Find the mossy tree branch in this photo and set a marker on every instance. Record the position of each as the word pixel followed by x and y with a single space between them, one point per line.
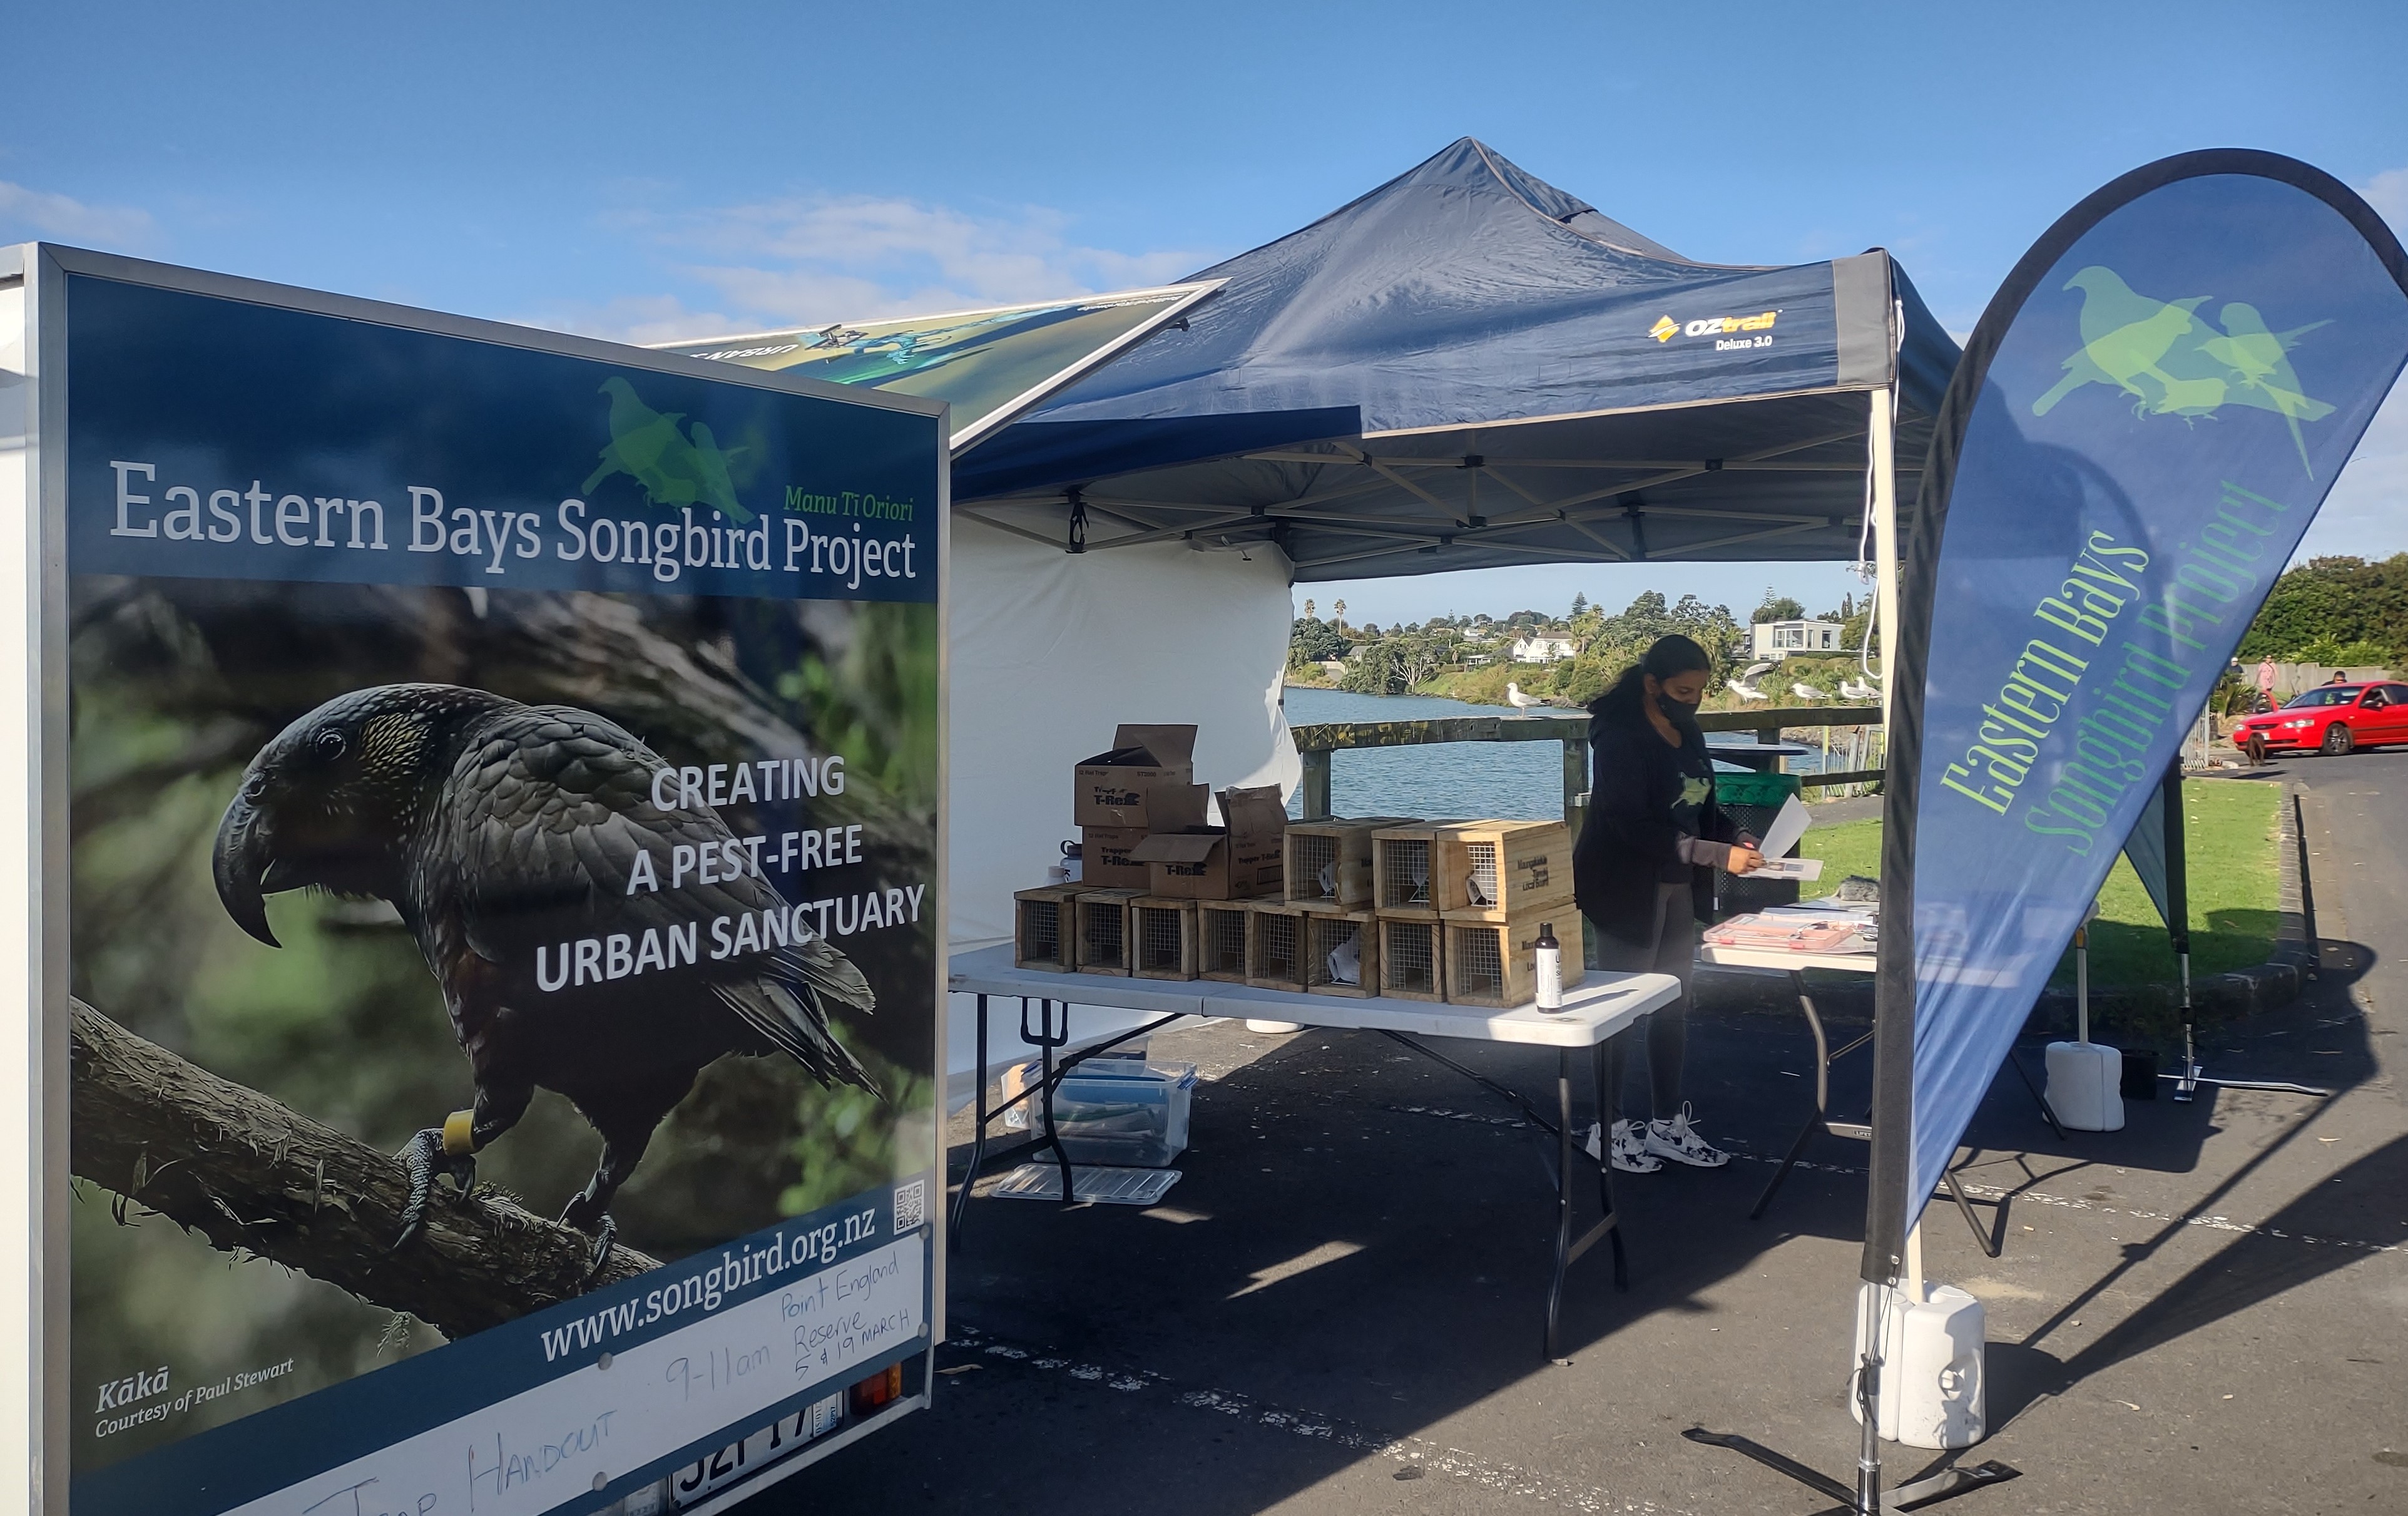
pixel 253 1174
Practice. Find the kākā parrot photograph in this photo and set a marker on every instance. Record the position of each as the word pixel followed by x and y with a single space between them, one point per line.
pixel 351 1149
pixel 500 832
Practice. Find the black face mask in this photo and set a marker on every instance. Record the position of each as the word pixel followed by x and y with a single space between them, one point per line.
pixel 1681 713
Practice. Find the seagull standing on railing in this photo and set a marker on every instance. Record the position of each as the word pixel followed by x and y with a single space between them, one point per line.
pixel 1808 692
pixel 1520 701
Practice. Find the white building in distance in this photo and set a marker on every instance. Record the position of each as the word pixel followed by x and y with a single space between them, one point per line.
pixel 1544 649
pixel 1777 640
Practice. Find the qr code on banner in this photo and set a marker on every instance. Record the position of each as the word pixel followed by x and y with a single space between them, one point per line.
pixel 911 1206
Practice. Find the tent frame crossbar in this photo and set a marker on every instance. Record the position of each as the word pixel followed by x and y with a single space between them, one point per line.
pixel 1145 518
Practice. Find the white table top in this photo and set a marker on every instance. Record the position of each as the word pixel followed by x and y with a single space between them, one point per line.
pixel 1600 1005
pixel 1779 958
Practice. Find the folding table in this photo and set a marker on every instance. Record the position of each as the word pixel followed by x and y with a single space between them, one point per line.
pixel 1598 1010
pixel 1794 964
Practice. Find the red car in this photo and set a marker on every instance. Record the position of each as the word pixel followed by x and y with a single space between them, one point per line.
pixel 2333 719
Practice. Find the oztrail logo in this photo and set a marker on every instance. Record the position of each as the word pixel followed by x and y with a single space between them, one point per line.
pixel 1728 329
pixel 2170 363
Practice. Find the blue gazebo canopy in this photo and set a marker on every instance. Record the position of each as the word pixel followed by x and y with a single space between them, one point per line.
pixel 1467 368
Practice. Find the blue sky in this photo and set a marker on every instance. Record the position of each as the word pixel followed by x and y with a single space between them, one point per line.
pixel 662 171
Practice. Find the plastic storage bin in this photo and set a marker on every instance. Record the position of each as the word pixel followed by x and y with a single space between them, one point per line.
pixel 1123 1112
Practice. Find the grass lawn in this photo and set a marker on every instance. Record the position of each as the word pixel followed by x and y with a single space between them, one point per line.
pixel 2228 831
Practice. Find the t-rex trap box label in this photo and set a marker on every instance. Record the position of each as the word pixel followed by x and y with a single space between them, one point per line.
pixel 505 880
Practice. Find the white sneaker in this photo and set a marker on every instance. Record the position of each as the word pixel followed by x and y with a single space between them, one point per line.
pixel 1630 1154
pixel 1677 1140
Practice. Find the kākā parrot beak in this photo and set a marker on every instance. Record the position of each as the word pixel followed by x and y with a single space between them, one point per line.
pixel 244 865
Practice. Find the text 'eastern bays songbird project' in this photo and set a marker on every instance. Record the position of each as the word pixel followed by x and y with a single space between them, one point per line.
pixel 502 832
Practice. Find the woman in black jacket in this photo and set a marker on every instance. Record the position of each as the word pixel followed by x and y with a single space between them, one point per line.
pixel 1642 871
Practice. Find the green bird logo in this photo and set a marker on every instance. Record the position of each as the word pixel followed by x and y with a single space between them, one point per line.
pixel 2171 363
pixel 674 467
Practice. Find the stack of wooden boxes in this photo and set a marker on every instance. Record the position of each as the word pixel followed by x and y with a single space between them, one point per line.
pixel 1162 895
pixel 1444 911
pixel 1321 937
pixel 1460 906
pixel 1499 886
pixel 1448 911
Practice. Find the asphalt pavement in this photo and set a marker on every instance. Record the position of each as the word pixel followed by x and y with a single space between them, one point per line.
pixel 1337 1308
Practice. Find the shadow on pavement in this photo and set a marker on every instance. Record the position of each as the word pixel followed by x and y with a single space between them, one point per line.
pixel 1362 1232
pixel 2340 1220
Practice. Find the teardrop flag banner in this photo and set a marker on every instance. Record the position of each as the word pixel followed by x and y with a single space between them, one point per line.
pixel 2143 426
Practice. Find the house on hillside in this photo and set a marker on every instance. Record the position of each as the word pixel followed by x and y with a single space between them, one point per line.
pixel 1776 639
pixel 1544 649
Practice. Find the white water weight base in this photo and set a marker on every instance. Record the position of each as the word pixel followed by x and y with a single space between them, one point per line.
pixel 2085 1086
pixel 1930 1393
pixel 544 1447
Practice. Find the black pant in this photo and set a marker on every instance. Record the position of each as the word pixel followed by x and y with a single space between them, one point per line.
pixel 1665 944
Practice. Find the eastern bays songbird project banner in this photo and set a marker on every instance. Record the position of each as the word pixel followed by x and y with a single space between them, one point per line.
pixel 525 763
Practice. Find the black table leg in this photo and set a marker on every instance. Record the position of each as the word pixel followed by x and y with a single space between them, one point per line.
pixel 1820 1120
pixel 1965 1209
pixel 978 1133
pixel 1047 1040
pixel 2038 1098
pixel 1563 1197
pixel 1608 1227
pixel 1602 1063
pixel 1821 1113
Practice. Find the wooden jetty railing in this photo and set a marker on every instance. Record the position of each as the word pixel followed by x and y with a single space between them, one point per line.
pixel 1316 741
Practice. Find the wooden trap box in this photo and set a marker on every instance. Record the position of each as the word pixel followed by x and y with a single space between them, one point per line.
pixel 1162 938
pixel 1412 956
pixel 1045 928
pixel 1496 963
pixel 1275 946
pixel 1502 868
pixel 1221 939
pixel 1328 864
pixel 1104 937
pixel 1341 952
pixel 1404 863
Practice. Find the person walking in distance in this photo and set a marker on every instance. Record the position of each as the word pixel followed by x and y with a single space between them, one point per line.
pixel 1642 875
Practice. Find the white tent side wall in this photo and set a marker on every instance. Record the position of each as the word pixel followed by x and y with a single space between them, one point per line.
pixel 1050 651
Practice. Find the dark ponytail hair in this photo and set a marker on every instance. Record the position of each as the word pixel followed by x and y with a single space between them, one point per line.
pixel 1664 658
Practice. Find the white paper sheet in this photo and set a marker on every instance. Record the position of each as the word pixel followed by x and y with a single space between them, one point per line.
pixel 1788 827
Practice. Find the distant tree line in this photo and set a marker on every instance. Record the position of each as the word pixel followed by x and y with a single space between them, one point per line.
pixel 2337 611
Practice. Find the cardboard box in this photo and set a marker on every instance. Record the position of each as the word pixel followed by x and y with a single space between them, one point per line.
pixel 1257 820
pixel 1104 862
pixel 1241 860
pixel 1145 780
